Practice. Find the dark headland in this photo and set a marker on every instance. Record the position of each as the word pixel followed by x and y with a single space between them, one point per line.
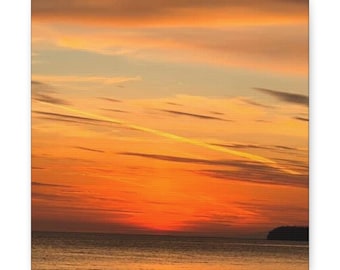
pixel 289 233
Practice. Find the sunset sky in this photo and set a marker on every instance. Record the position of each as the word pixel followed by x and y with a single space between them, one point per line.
pixel 169 116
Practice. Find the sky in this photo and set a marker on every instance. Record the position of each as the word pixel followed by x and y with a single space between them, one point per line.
pixel 169 117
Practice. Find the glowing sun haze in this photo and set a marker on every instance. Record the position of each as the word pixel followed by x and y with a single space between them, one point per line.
pixel 181 117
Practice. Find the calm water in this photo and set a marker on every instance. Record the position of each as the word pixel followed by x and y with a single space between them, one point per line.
pixel 130 252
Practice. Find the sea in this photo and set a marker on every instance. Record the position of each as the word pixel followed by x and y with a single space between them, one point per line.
pixel 95 251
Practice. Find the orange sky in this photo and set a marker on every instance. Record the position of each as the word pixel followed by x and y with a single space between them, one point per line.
pixel 169 116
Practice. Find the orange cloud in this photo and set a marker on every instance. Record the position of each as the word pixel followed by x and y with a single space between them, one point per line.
pixel 168 135
pixel 271 48
pixel 172 12
pixel 85 79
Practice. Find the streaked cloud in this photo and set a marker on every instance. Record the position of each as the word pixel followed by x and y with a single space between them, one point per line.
pixel 41 184
pixel 114 110
pixel 37 168
pixel 89 149
pixel 240 145
pixel 222 47
pixel 246 171
pixel 216 113
pixel 45 93
pixel 110 99
pixel 50 99
pixel 287 97
pixel 84 79
pixel 175 158
pixel 285 147
pixel 200 116
pixel 254 103
pixel 173 12
pixel 257 146
pixel 175 137
pixel 259 174
pixel 69 117
pixel 173 103
pixel 301 118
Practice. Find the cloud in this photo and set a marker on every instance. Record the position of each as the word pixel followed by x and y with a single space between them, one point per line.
pixel 172 12
pixel 246 171
pixel 301 118
pixel 66 120
pixel 84 79
pixel 175 159
pixel 247 47
pixel 217 113
pixel 41 87
pixel 240 146
pixel 114 110
pixel 287 97
pixel 270 213
pixel 174 137
pixel 173 103
pixel 257 104
pixel 37 168
pixel 200 116
pixel 39 92
pixel 89 149
pixel 50 99
pixel 262 35
pixel 83 223
pixel 67 117
pixel 110 99
pixel 48 184
pixel 259 174
pixel 257 146
pixel 286 147
pixel 37 83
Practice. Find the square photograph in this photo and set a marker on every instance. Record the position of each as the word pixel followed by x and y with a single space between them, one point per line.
pixel 170 135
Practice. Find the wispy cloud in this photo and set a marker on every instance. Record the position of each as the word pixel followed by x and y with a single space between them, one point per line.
pixel 70 117
pixel 246 171
pixel 48 184
pixel 257 146
pixel 251 47
pixel 37 168
pixel 172 136
pixel 240 146
pixel 173 103
pixel 251 102
pixel 285 147
pixel 114 110
pixel 84 79
pixel 301 118
pixel 110 99
pixel 217 113
pixel 200 116
pixel 173 12
pixel 89 149
pixel 277 213
pixel 80 120
pixel 44 92
pixel 287 97
pixel 259 174
pixel 175 158
pixel 50 99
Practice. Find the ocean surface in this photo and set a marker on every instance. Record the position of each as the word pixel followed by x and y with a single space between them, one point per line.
pixel 89 251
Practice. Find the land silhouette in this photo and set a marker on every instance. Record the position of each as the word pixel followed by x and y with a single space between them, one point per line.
pixel 289 233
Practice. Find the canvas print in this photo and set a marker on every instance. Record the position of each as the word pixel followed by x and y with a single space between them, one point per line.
pixel 170 134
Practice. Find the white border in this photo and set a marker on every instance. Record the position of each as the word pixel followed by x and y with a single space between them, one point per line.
pixel 324 134
pixel 15 191
pixel 15 188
